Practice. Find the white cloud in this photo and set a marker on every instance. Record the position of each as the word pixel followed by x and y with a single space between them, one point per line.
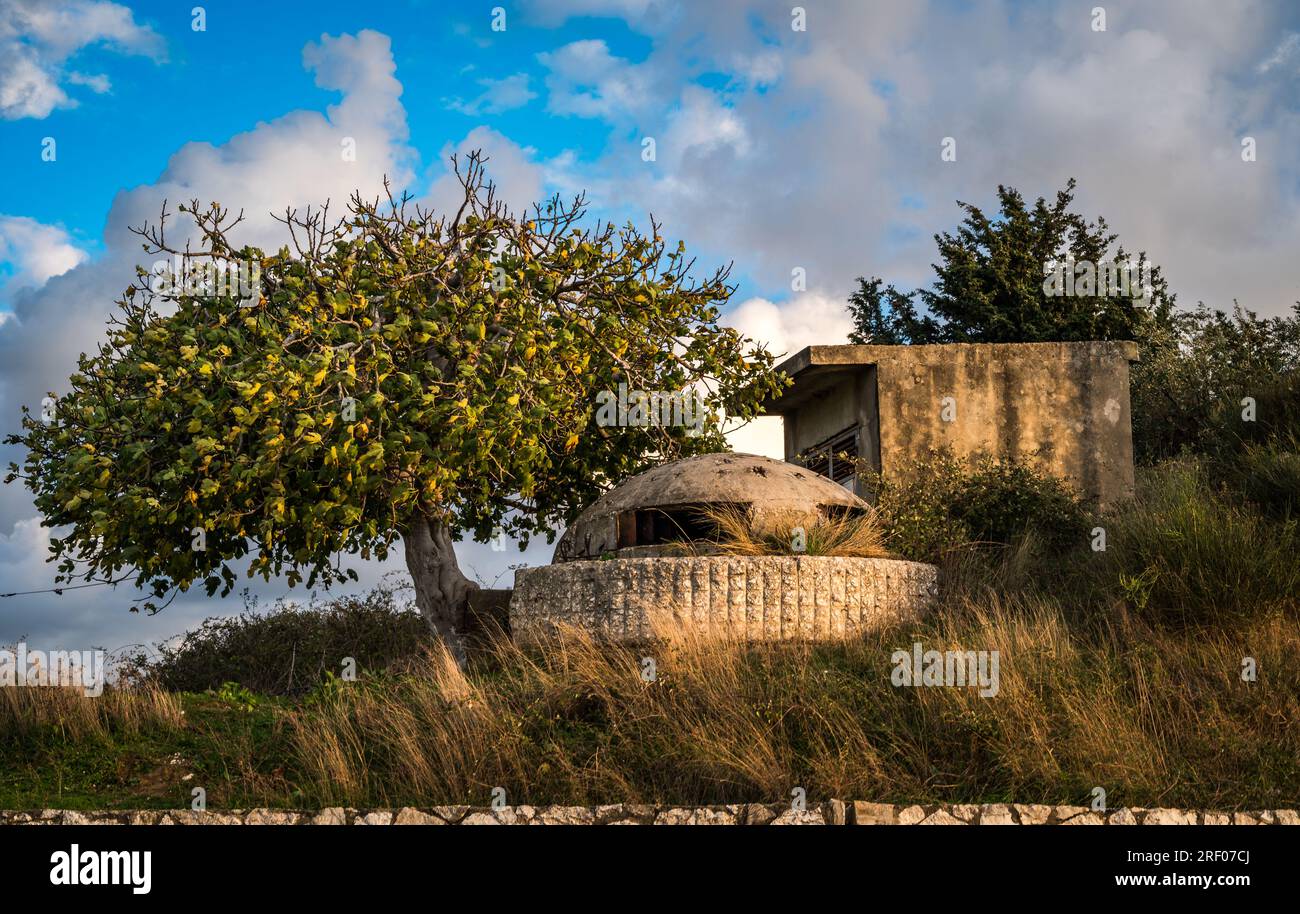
pixel 1287 51
pixel 521 178
pixel 96 82
pixel 498 95
pixel 810 164
pixel 703 123
pixel 584 79
pixel 36 251
pixel 806 319
pixel 38 36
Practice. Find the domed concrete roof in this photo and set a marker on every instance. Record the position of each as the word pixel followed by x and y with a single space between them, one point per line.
pixel 678 489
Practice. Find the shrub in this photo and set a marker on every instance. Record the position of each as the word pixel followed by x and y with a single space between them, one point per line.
pixel 289 649
pixel 1186 553
pixel 1267 475
pixel 947 503
pixel 1188 387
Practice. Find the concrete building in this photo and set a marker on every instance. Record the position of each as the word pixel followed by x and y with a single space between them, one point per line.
pixel 1063 406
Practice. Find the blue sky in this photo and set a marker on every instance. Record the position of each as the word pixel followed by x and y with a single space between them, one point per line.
pixel 214 84
pixel 814 150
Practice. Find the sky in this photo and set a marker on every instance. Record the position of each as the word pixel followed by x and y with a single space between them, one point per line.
pixel 790 140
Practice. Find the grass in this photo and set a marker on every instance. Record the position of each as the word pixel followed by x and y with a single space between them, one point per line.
pixel 1113 675
pixel 1156 717
pixel 739 532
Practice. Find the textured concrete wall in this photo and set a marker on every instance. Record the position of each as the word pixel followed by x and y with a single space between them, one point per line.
pixel 1066 403
pixel 759 598
pixel 831 812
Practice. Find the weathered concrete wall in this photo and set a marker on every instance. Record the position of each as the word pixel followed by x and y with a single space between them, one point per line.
pixel 758 597
pixel 1067 404
pixel 831 812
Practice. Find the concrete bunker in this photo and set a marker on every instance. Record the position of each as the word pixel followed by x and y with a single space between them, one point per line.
pixel 1061 406
pixel 643 550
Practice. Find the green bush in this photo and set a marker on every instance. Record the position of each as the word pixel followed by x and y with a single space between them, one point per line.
pixel 1188 553
pixel 1188 388
pixel 1266 475
pixel 948 503
pixel 288 649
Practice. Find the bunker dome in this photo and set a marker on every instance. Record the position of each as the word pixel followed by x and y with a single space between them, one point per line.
pixel 651 513
pixel 621 571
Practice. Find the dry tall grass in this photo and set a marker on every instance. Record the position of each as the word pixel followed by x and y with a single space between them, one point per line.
pixel 1154 718
pixel 774 533
pixel 28 710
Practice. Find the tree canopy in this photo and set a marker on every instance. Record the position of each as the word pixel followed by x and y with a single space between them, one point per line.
pixel 1022 275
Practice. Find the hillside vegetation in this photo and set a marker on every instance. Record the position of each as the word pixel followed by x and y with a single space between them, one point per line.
pixel 1120 669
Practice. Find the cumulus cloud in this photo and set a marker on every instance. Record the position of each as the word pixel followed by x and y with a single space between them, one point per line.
pixel 498 95
pixel 831 160
pixel 585 80
pixel 807 319
pixel 520 176
pixel 37 37
pixel 35 251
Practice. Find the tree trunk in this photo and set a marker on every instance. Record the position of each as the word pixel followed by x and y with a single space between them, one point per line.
pixel 441 592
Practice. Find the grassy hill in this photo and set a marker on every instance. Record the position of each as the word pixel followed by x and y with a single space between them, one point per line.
pixel 1120 669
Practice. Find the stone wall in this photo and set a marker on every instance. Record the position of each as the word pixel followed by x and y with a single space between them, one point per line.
pixel 832 812
pixel 758 597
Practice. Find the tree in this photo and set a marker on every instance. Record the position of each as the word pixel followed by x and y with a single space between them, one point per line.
pixel 1188 392
pixel 395 373
pixel 1022 276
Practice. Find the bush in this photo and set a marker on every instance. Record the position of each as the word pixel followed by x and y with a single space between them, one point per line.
pixel 1267 475
pixel 948 503
pixel 1187 553
pixel 1188 387
pixel 289 649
